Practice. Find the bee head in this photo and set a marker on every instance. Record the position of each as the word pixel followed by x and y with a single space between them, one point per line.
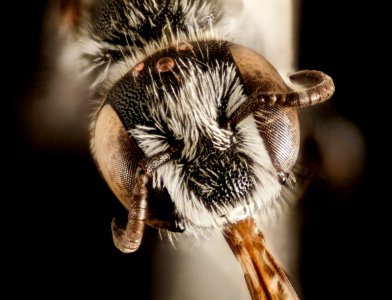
pixel 227 112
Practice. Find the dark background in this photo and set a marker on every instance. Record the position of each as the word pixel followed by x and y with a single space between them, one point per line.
pixel 56 210
pixel 344 236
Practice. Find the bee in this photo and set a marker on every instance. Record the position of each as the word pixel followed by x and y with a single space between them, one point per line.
pixel 191 131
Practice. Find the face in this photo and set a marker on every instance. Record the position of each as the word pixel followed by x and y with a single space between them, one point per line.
pixel 191 131
pixel 177 99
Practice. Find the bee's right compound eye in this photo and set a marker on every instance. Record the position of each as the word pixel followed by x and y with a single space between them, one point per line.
pixel 127 172
pixel 116 154
pixel 118 159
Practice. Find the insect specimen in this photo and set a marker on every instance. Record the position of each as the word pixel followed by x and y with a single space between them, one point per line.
pixel 190 130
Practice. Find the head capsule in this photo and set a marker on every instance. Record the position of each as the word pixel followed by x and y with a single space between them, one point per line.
pixel 226 110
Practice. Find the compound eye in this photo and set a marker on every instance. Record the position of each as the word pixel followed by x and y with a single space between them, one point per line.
pixel 279 128
pixel 116 155
pixel 277 125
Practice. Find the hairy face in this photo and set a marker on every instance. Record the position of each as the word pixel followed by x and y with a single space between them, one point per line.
pixel 173 84
pixel 182 97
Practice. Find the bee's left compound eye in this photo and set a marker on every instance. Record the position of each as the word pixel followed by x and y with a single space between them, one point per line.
pixel 274 104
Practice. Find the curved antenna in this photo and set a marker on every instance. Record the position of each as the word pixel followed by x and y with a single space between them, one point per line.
pixel 128 239
pixel 318 87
